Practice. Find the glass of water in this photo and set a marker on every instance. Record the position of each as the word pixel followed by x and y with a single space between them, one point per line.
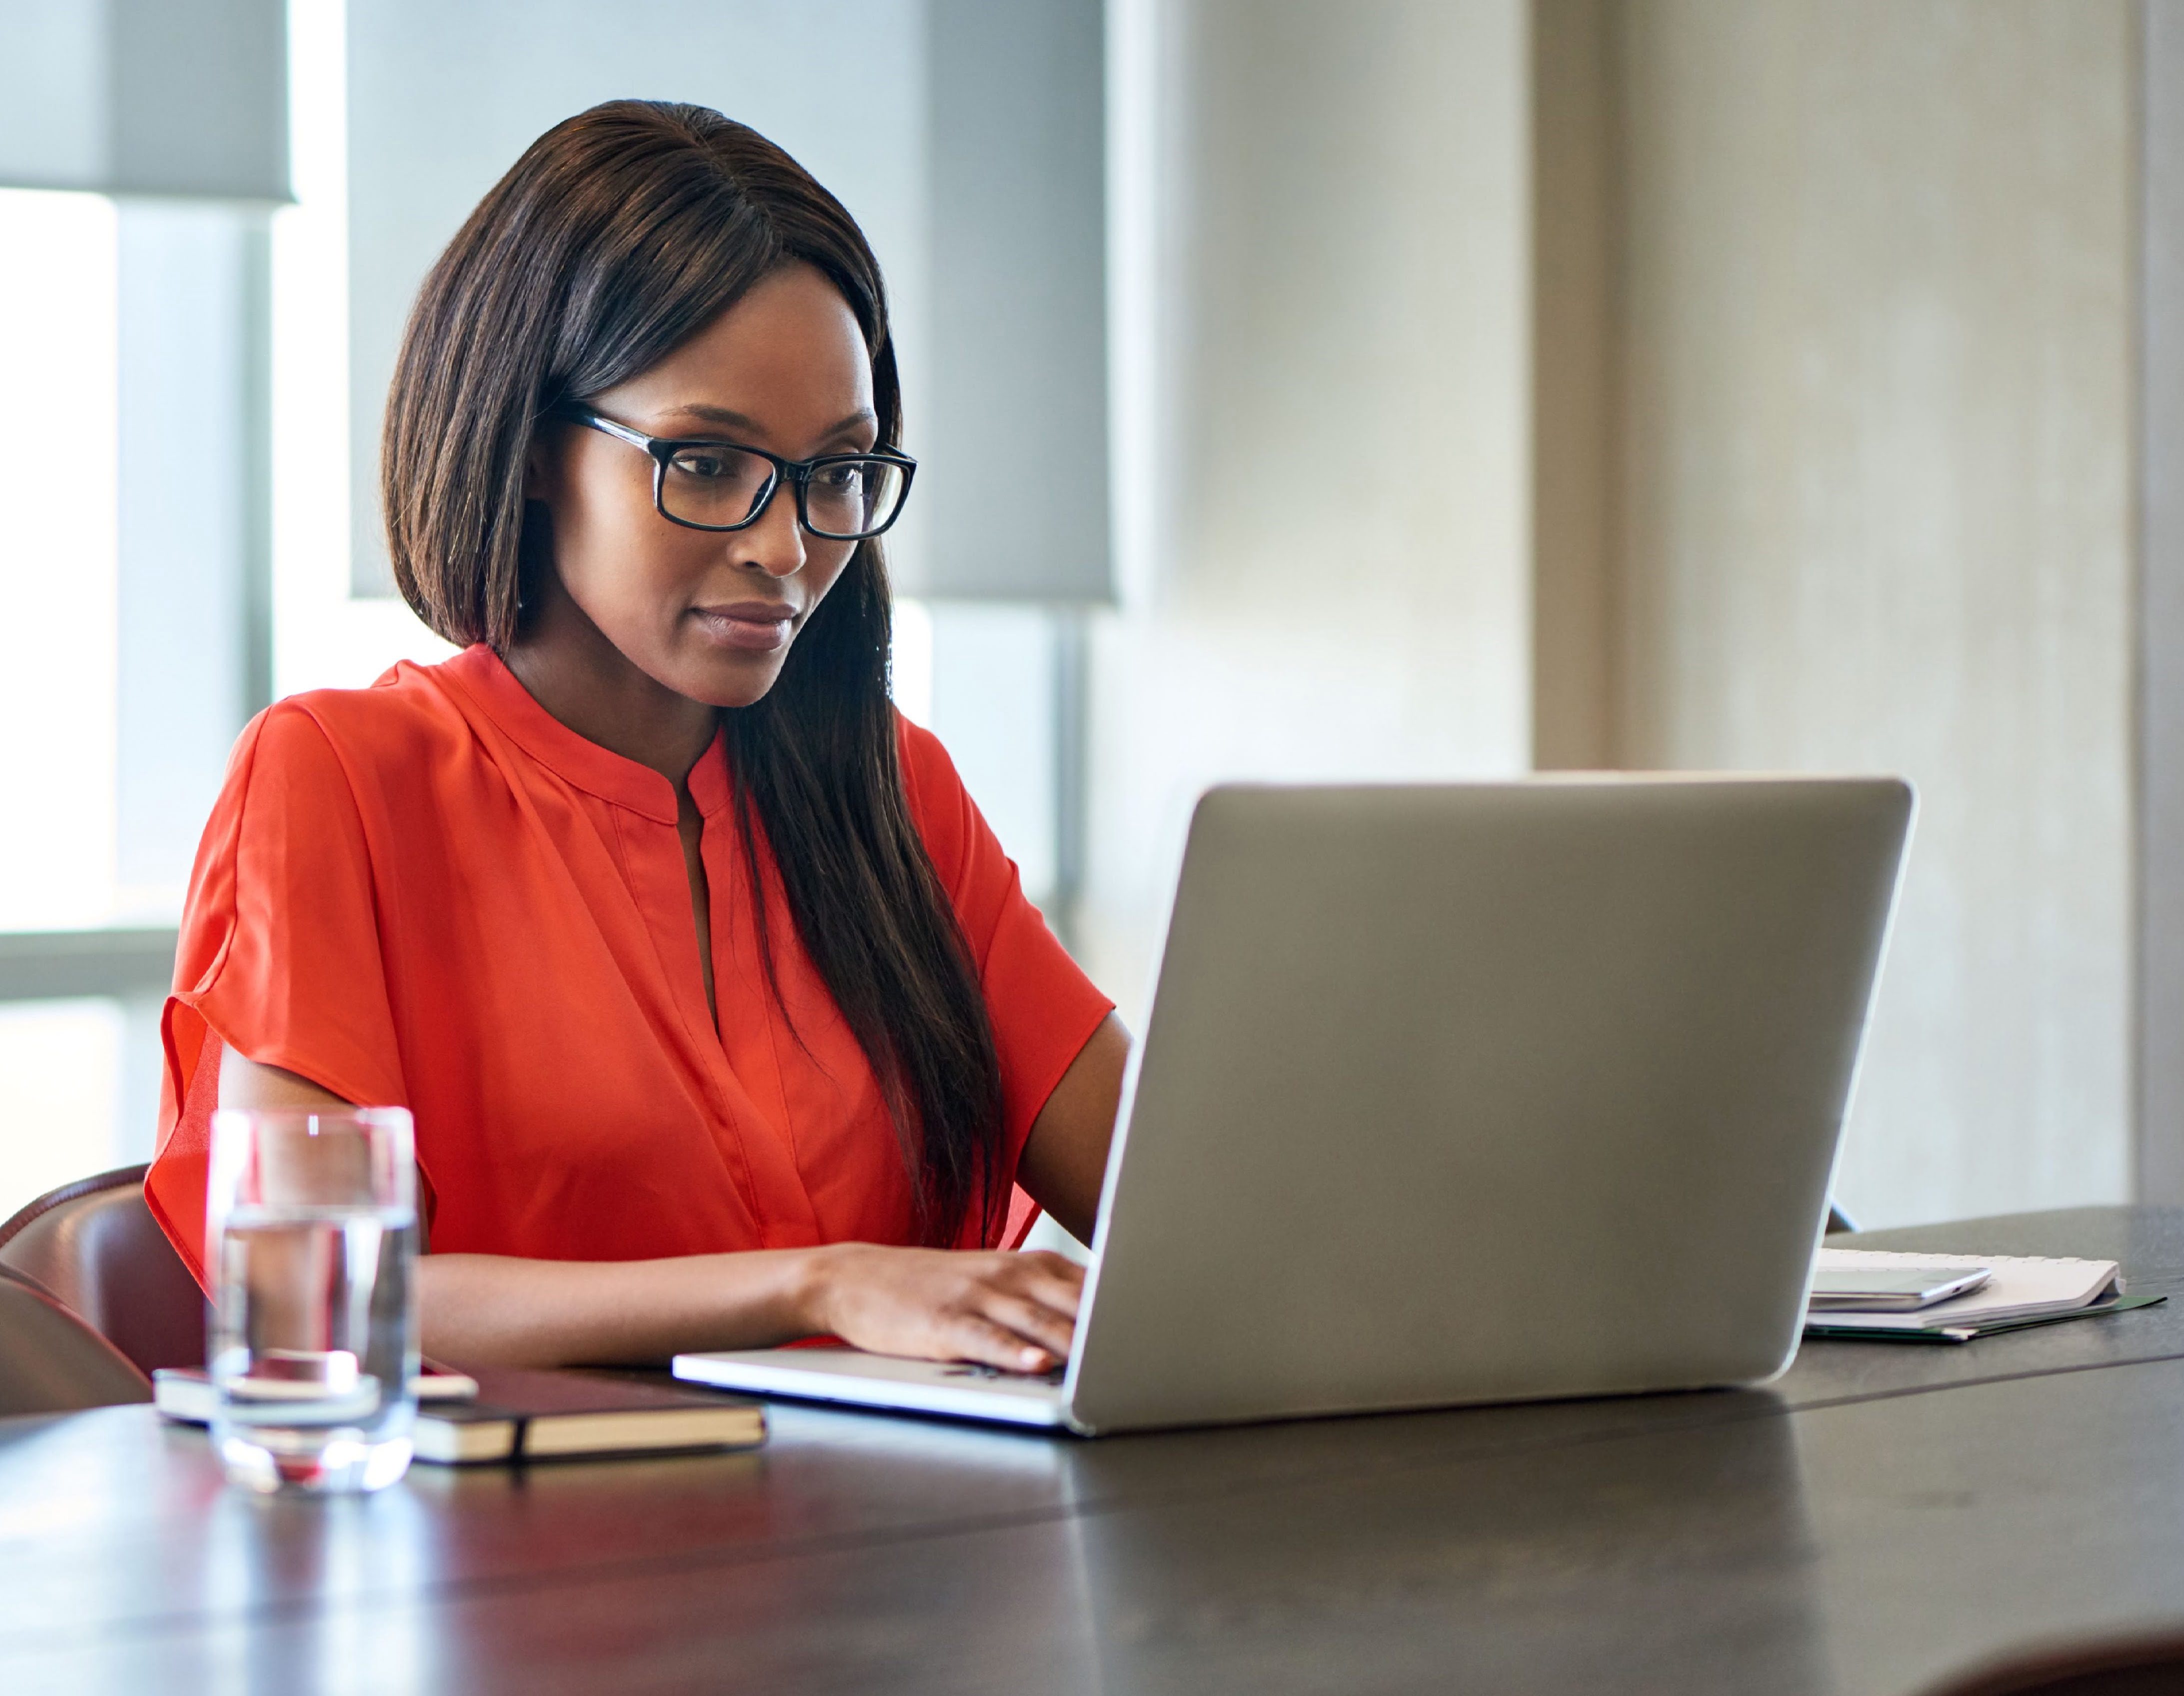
pixel 311 1236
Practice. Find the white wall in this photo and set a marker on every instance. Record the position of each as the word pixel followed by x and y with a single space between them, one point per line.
pixel 1875 434
pixel 1320 326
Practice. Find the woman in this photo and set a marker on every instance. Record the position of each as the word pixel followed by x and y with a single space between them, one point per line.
pixel 723 1017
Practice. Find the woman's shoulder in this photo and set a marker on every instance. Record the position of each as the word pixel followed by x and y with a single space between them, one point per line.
pixel 930 783
pixel 407 711
pixel 924 760
pixel 948 820
pixel 404 724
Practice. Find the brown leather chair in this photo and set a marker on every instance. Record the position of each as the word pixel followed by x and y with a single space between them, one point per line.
pixel 52 1362
pixel 94 1247
pixel 2147 1665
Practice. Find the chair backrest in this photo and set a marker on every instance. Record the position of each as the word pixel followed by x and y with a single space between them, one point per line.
pixel 52 1362
pixel 2148 1665
pixel 94 1247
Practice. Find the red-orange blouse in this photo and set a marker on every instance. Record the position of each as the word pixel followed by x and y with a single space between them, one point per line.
pixel 431 893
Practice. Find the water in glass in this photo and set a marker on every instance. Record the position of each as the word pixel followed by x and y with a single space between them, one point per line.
pixel 312 1344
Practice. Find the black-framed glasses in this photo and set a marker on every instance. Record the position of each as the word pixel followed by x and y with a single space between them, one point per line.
pixel 708 485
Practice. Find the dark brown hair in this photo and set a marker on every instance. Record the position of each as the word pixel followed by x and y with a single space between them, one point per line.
pixel 618 235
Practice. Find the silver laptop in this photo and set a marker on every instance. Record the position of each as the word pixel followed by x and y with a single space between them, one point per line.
pixel 1466 1094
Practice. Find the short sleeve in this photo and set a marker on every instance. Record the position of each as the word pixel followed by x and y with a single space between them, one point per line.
pixel 279 954
pixel 1043 1007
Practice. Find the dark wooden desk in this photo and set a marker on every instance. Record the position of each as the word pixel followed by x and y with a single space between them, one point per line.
pixel 1884 1514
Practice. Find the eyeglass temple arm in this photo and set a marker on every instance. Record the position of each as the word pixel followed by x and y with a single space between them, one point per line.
pixel 599 422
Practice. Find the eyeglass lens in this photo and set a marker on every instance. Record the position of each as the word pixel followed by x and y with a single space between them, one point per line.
pixel 853 497
pixel 712 483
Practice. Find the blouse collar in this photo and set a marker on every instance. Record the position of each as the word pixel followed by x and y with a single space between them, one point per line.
pixel 484 676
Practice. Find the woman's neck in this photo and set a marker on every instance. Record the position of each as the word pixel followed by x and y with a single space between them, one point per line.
pixel 584 680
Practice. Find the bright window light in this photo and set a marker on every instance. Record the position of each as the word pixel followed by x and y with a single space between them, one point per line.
pixel 57 502
pixel 911 660
pixel 61 1064
pixel 324 637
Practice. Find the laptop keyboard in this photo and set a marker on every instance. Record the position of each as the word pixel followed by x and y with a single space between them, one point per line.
pixel 970 1371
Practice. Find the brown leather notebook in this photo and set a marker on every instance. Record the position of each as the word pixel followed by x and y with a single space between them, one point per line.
pixel 535 1415
pixel 543 1415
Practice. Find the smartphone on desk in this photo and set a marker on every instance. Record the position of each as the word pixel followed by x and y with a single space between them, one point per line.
pixel 1890 1289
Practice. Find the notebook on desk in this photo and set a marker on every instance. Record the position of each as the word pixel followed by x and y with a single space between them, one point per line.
pixel 2020 1288
pixel 512 1414
pixel 1462 1093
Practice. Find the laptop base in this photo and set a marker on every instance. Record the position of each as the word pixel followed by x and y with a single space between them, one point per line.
pixel 855 1379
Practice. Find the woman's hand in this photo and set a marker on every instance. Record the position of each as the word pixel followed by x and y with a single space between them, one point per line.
pixel 1016 1311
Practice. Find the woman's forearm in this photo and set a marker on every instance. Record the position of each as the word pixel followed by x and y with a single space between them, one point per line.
pixel 496 1309
pixel 1013 1311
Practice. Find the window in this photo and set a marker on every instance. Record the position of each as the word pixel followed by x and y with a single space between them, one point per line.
pixel 60 1060
pixel 58 456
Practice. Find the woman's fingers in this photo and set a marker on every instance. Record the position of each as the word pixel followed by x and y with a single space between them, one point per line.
pixel 1051 1330
pixel 990 1344
pixel 1011 1311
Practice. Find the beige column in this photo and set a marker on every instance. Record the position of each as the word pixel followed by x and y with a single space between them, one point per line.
pixel 1872 410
